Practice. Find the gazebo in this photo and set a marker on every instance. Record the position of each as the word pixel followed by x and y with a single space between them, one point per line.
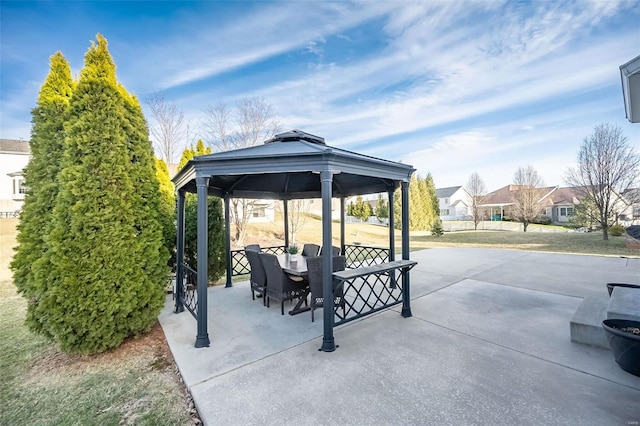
pixel 292 165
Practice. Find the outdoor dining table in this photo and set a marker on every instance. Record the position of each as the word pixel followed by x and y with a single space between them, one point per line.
pixel 297 268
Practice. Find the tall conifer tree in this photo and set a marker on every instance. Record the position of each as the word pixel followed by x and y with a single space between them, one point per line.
pixel 47 145
pixel 216 248
pixel 167 210
pixel 433 204
pixel 108 262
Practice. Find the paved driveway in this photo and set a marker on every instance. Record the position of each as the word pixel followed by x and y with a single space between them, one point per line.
pixel 488 343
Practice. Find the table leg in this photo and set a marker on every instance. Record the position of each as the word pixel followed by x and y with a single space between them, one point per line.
pixel 298 309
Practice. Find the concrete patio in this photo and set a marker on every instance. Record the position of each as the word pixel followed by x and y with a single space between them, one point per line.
pixel 488 343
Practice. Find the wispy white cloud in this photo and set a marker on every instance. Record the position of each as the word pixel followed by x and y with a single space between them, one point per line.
pixel 199 52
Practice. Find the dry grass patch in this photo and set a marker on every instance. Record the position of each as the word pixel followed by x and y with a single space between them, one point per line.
pixel 136 383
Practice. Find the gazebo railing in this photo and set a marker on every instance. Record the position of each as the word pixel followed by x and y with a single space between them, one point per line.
pixel 370 289
pixel 188 289
pixel 240 263
pixel 359 256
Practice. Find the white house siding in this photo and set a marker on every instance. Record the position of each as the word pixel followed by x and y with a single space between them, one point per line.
pixel 14 157
pixel 454 204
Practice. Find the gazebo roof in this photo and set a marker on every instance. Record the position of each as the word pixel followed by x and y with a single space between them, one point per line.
pixel 288 167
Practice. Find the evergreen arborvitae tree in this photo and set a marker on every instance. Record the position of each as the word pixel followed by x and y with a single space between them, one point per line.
pixel 47 145
pixel 424 208
pixel 167 210
pixel 382 208
pixel 432 203
pixel 217 254
pixel 108 262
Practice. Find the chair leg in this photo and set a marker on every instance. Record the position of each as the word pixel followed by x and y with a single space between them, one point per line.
pixel 268 301
pixel 312 309
pixel 282 307
pixel 253 296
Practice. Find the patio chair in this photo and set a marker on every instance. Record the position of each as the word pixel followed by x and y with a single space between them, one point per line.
pixel 280 286
pixel 252 247
pixel 309 250
pixel 258 276
pixel 314 266
pixel 335 251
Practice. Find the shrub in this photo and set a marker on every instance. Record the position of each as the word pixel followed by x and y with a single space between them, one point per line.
pixel 616 230
pixel 436 229
pixel 542 220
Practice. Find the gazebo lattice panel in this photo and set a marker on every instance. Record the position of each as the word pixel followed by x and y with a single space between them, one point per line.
pixel 359 256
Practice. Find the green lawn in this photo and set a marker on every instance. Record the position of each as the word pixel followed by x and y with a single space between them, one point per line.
pixel 135 384
pixel 570 242
pixel 373 235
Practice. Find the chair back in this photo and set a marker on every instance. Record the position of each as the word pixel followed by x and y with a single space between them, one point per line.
pixel 274 273
pixel 258 275
pixel 309 250
pixel 335 251
pixel 314 266
pixel 252 247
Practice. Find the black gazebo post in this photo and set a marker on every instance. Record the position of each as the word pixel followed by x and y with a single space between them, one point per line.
pixel 180 253
pixel 342 230
pixel 328 341
pixel 227 237
pixel 202 184
pixel 392 235
pixel 285 208
pixel 406 301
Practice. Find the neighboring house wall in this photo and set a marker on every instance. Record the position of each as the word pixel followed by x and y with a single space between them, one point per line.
pixel 260 211
pixel 455 203
pixel 633 197
pixel 14 156
pixel 315 207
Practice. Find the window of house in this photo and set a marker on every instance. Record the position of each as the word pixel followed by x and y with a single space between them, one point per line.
pixel 19 188
pixel 566 211
pixel 258 212
pixel 444 212
pixel 446 201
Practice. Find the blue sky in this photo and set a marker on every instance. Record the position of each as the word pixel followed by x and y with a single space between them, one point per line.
pixel 449 87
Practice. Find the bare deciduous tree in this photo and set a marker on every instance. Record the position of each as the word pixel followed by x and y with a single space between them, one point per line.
pixel 477 191
pixel 607 166
pixel 527 196
pixel 298 215
pixel 249 123
pixel 168 129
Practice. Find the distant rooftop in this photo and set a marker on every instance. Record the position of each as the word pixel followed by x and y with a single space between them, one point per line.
pixel 446 192
pixel 14 146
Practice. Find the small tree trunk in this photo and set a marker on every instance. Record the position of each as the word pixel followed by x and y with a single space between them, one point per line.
pixel 525 224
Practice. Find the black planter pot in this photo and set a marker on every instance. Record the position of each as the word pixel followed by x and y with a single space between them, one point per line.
pixel 610 286
pixel 625 346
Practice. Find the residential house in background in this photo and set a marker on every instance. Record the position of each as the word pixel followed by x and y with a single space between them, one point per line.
pixel 632 195
pixel 14 156
pixel 455 203
pixel 497 204
pixel 558 204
